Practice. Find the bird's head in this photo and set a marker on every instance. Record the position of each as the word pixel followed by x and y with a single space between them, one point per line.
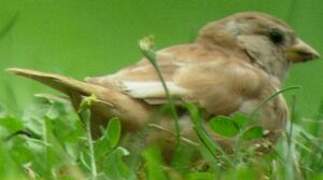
pixel 269 42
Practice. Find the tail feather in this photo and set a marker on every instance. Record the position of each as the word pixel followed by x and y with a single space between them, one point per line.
pixel 133 112
pixel 58 82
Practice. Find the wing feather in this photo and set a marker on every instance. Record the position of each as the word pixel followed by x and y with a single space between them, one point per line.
pixel 141 80
pixel 151 89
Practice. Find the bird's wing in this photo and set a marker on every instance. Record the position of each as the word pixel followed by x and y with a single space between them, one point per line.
pixel 141 80
pixel 191 74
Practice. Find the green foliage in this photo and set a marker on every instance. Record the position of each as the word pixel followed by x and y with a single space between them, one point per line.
pixel 202 134
pixel 253 133
pixel 50 141
pixel 154 165
pixel 234 126
pixel 201 176
pixel 224 126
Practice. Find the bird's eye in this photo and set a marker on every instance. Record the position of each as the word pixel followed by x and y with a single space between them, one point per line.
pixel 276 37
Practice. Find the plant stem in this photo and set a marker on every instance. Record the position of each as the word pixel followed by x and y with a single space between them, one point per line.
pixel 271 97
pixel 290 145
pixel 150 54
pixel 91 148
pixel 85 116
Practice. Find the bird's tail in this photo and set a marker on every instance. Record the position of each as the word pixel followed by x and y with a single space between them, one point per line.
pixel 110 102
pixel 58 82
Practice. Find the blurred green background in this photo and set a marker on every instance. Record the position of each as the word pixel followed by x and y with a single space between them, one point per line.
pixel 93 37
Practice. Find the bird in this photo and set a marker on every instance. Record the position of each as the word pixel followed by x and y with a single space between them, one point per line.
pixel 234 65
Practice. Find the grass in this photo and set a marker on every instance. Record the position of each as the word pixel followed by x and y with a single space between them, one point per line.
pixel 52 141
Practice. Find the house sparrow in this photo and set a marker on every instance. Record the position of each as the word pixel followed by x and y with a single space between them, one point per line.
pixel 233 65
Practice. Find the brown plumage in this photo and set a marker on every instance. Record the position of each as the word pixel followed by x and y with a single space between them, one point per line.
pixel 233 65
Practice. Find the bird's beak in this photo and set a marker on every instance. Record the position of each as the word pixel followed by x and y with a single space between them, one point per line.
pixel 301 52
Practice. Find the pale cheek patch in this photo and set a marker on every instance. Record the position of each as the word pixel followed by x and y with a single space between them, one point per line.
pixel 150 89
